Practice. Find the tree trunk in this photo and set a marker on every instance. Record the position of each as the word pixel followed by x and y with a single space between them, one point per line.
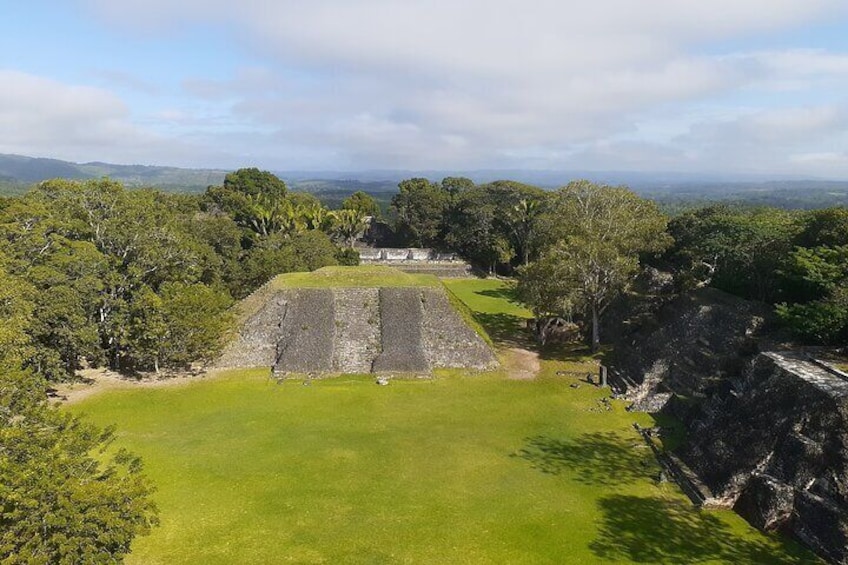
pixel 596 333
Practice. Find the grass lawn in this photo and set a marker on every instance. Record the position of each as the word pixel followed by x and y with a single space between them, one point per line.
pixel 457 469
pixel 365 276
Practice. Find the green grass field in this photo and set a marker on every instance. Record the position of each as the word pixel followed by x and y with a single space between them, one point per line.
pixel 366 276
pixel 457 469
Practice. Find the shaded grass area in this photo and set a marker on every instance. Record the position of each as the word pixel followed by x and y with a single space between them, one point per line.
pixel 456 469
pixel 494 306
pixel 596 458
pixel 658 530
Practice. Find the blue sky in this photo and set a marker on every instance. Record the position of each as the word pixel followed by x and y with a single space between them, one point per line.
pixel 729 87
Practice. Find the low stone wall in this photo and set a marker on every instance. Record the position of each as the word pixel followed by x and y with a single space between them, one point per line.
pixel 404 254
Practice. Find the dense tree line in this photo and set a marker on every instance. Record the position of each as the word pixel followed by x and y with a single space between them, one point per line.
pixel 139 280
pixel 574 249
pixel 65 497
pixel 492 225
pixel 796 260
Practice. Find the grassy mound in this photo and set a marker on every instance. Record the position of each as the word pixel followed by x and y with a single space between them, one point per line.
pixel 362 276
pixel 490 307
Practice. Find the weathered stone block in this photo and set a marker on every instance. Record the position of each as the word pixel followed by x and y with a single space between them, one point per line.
pixel 766 502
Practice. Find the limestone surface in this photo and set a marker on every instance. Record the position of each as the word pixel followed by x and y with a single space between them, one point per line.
pixel 357 330
pixel 776 448
pixel 448 342
pixel 767 433
pixel 256 344
pixel 307 334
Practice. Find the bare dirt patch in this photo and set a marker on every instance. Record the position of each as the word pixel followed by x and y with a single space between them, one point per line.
pixel 95 381
pixel 521 364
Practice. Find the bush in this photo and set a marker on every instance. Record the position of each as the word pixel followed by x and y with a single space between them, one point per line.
pixel 347 256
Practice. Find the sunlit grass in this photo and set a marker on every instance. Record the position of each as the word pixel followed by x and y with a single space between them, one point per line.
pixel 362 276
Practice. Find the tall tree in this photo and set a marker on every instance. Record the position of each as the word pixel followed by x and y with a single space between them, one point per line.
pixel 420 206
pixel 251 181
pixel 517 208
pixel 196 318
pixel 473 229
pixel 348 225
pixel 828 226
pixel 739 251
pixel 362 203
pixel 818 277
pixel 522 220
pixel 16 309
pixel 250 196
pixel 597 233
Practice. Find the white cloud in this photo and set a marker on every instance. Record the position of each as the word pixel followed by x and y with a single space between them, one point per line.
pixel 35 110
pixel 44 117
pixel 829 158
pixel 383 83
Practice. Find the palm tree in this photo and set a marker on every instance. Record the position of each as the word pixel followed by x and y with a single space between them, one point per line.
pixel 348 226
pixel 521 220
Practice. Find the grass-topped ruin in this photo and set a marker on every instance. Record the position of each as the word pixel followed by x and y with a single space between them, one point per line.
pixel 349 320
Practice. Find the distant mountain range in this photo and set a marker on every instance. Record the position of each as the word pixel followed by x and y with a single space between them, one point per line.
pixel 18 173
pixel 23 171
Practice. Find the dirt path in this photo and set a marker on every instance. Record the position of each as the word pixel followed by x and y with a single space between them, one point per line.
pixel 95 381
pixel 521 364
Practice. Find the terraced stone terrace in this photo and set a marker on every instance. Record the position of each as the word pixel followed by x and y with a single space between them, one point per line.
pixel 356 320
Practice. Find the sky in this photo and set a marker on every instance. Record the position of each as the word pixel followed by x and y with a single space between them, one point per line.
pixel 726 86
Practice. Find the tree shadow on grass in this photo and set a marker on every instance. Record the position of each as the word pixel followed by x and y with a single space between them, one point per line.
pixel 657 530
pixel 505 329
pixel 504 293
pixel 602 459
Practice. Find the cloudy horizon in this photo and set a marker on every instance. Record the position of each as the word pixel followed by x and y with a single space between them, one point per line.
pixel 758 87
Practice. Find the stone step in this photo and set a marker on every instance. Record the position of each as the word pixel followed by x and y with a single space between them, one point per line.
pixel 401 316
pixel 357 325
pixel 307 333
